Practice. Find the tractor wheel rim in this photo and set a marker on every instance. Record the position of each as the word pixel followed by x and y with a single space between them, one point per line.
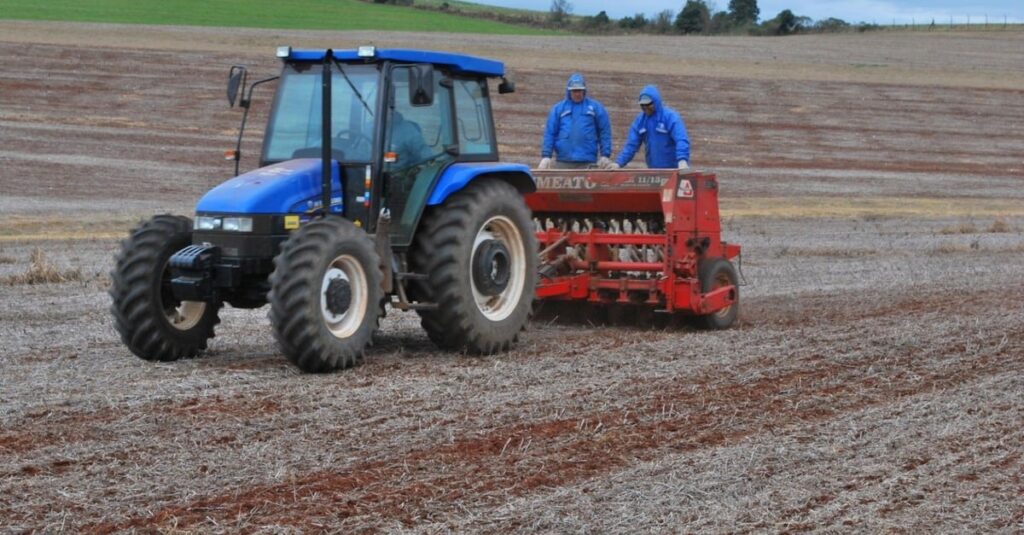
pixel 185 315
pixel 347 268
pixel 500 306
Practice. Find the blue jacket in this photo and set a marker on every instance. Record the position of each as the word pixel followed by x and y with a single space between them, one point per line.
pixel 663 135
pixel 575 132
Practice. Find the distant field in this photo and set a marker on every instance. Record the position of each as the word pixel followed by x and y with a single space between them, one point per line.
pixel 297 14
pixel 472 7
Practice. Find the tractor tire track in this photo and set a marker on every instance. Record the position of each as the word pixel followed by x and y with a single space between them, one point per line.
pixel 669 416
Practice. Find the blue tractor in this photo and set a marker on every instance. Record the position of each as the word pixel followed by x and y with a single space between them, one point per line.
pixel 378 184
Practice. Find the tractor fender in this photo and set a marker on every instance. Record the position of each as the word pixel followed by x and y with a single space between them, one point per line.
pixel 458 175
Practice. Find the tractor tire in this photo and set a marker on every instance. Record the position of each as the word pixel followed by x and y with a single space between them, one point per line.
pixel 151 322
pixel 479 252
pixel 325 295
pixel 715 274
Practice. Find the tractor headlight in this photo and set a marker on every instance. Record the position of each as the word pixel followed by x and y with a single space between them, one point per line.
pixel 238 224
pixel 209 223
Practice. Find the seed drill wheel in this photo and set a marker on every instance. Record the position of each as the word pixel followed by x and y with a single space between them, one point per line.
pixel 152 323
pixel 479 252
pixel 715 274
pixel 325 295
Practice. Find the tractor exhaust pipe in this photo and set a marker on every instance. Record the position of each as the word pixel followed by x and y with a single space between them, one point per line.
pixel 325 142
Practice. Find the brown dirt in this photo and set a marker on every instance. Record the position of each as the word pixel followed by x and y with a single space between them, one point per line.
pixel 873 384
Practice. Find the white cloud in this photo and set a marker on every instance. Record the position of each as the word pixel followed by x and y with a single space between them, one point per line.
pixel 883 12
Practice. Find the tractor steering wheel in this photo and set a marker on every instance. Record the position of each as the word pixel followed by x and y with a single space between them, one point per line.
pixel 350 142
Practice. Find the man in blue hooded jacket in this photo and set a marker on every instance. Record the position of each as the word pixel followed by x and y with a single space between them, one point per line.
pixel 407 141
pixel 578 130
pixel 662 132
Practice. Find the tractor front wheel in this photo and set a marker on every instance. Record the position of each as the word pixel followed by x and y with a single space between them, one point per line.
pixel 152 323
pixel 325 295
pixel 479 252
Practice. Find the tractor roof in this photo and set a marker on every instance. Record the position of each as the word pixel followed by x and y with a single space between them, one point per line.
pixel 457 62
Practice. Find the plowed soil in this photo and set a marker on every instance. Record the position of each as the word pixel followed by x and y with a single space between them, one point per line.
pixel 875 381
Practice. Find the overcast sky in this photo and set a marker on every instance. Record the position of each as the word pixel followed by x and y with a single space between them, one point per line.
pixel 878 11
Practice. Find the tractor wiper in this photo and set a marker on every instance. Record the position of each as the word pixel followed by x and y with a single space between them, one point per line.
pixel 353 86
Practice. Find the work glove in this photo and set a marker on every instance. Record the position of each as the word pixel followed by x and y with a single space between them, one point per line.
pixel 545 163
pixel 604 163
pixel 683 164
pixel 612 166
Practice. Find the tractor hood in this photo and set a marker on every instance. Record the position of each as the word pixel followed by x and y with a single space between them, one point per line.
pixel 292 186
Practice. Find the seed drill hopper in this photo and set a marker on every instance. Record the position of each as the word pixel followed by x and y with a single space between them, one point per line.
pixel 633 245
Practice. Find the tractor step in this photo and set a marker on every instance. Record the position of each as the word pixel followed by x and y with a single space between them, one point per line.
pixel 406 276
pixel 413 306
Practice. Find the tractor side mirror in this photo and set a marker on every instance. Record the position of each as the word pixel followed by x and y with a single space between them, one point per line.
pixel 506 86
pixel 421 85
pixel 236 82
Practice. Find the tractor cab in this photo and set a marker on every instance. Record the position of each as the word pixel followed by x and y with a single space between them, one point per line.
pixel 397 119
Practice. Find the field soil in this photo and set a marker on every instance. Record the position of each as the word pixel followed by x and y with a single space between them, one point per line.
pixel 874 382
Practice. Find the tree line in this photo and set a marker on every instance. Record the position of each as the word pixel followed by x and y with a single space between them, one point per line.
pixel 700 17
pixel 697 17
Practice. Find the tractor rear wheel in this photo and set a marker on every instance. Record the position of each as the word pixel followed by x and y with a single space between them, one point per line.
pixel 716 274
pixel 152 323
pixel 479 252
pixel 325 295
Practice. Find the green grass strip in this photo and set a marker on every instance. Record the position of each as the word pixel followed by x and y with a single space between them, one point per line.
pixel 293 14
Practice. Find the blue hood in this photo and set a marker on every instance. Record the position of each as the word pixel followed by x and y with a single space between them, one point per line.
pixel 652 91
pixel 575 79
pixel 287 187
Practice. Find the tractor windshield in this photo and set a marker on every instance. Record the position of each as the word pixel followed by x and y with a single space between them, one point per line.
pixel 294 129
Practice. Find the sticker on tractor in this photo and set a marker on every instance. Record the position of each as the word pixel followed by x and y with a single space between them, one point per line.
pixel 650 180
pixel 685 190
pixel 564 182
pixel 291 222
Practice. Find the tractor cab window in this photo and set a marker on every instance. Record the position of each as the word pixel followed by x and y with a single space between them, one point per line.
pixel 415 142
pixel 474 112
pixel 416 133
pixel 295 123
